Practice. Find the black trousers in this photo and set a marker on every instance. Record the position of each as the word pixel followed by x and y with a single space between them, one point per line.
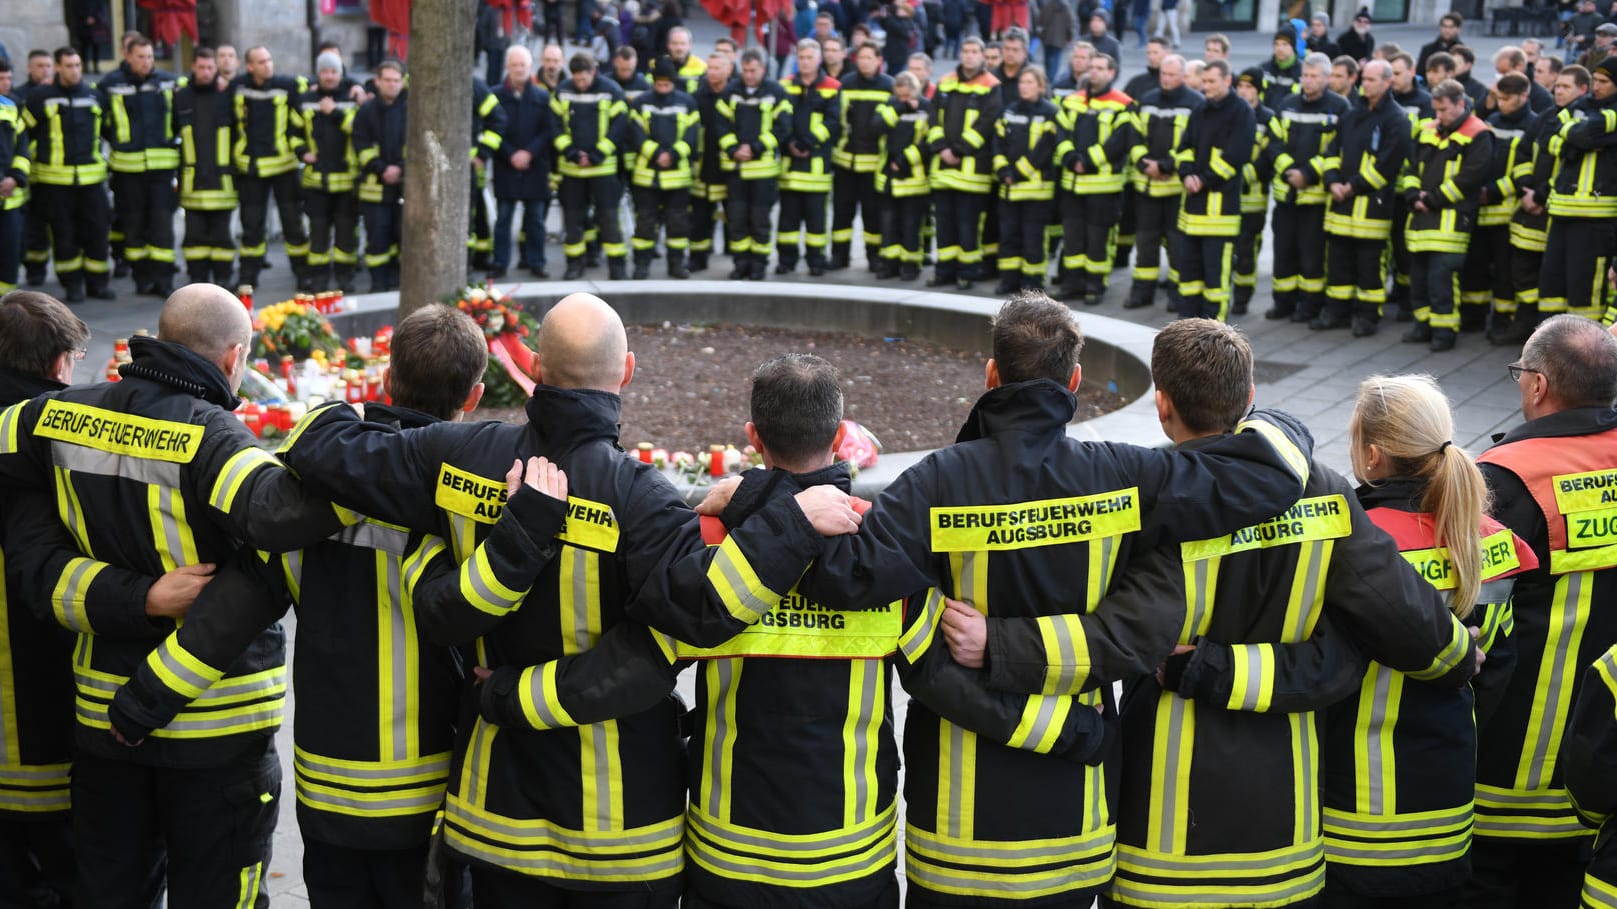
pixel 36 853
pixel 958 216
pixel 479 234
pixel 493 888
pixel 1399 254
pixel 578 196
pixel 887 899
pixel 747 209
pixel 1126 227
pixel 1247 247
pixel 1525 265
pixel 384 225
pixel 146 204
pixel 1206 266
pixel 1356 283
pixel 254 193
pixel 901 219
pixel 854 191
pixel 1573 276
pixel 1434 288
pixel 657 210
pixel 1021 237
pixel 705 217
pixel 340 877
pixel 1156 220
pixel 1525 875
pixel 332 214
pixel 78 225
pixel 214 826
pixel 13 223
pixel 36 243
pixel 209 251
pixel 803 219
pixel 1487 279
pixel 1299 261
pixel 1088 232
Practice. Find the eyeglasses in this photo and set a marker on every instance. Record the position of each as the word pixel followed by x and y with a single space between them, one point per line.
pixel 80 353
pixel 1516 369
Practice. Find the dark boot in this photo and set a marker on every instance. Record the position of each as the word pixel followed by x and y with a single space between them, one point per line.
pixel 909 271
pixel 1241 299
pixel 642 264
pixel 1284 308
pixel 72 287
pixel 223 274
pixel 839 256
pixel 575 268
pixel 676 264
pixel 760 265
pixel 698 261
pixel 1009 282
pixel 1141 295
pixel 378 279
pixel 99 287
pixel 743 266
pixel 617 268
pixel 1442 339
pixel 1419 333
pixel 345 278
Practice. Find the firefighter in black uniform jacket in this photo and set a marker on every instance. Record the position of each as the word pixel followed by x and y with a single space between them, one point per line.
pixel 805 172
pixel 154 473
pixel 266 156
pixel 204 123
pixel 14 167
pixel 1159 124
pixel 139 126
pixel 1215 149
pixel 755 121
pixel 902 179
pixel 330 177
pixel 1583 204
pixel 592 120
pixel 1025 139
pixel 69 177
pixel 709 185
pixel 864 91
pixel 665 137
pixel 379 135
pixel 1589 764
pixel 488 135
pixel 1303 127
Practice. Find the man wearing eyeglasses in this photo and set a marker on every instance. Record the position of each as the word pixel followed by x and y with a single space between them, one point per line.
pixel 1554 482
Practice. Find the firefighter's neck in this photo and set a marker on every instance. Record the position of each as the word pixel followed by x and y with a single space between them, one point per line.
pixel 1173 423
pixel 807 464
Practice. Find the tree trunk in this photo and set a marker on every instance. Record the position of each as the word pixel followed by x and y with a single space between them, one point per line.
pixel 437 172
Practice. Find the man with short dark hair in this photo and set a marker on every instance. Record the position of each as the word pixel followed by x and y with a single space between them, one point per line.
pixel 1093 157
pixel 266 160
pixel 139 101
pixel 754 124
pixel 1487 291
pixel 1213 153
pixel 664 128
pixel 805 176
pixel 1160 121
pixel 1465 60
pixel 709 187
pixel 855 158
pixel 1448 35
pixel 205 121
pixel 379 137
pixel 64 123
pixel 592 121
pixel 1551 480
pixel 964 110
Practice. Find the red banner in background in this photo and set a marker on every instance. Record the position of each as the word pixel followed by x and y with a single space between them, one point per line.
pixel 171 18
pixel 733 14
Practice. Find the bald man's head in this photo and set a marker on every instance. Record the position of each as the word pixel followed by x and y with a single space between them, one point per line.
pixel 209 321
pixel 582 345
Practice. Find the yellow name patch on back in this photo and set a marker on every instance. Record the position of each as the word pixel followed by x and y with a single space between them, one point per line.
pixel 1498 558
pixel 591 525
pixel 1046 522
pixel 1310 519
pixel 799 628
pixel 119 433
pixel 465 493
pixel 1586 491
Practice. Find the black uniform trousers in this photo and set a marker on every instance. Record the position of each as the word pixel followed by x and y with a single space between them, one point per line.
pixel 1336 896
pixel 145 204
pixel 656 210
pixel 1525 265
pixel 1486 280
pixel 209 251
pixel 13 223
pixel 901 219
pixel 1156 220
pixel 78 225
pixel 1434 288
pixel 803 219
pixel 479 233
pixel 1299 260
pixel 213 825
pixel 1573 276
pixel 495 888
pixel 578 196
pixel 332 213
pixel 746 214
pixel 36 852
pixel 340 877
pixel 705 217
pixel 853 191
pixel 1088 231
pixel 958 217
pixel 1525 875
pixel 1247 247
pixel 1356 282
pixel 254 193
pixel 1398 256
pixel 36 242
pixel 1126 229
pixel 1206 265
pixel 887 899
pixel 1021 233
pixel 989 227
pixel 384 228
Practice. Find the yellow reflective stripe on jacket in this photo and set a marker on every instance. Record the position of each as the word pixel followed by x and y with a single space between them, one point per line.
pixel 1041 722
pixel 234 474
pixel 540 703
pixel 918 637
pixel 1026 869
pixel 1597 894
pixel 68 598
pixel 35 788
pixel 1450 656
pixel 1288 450
pixel 1149 878
pixel 1308 520
pixel 480 586
pixel 1254 673
pixel 179 670
pixel 1518 814
pixel 1398 839
pixel 1557 673
pixel 798 627
pixel 1066 653
pixel 118 433
pixel 379 788
pixel 797 861
pixel 731 576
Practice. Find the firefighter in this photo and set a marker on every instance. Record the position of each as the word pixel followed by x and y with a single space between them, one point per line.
pixel 1214 150
pixel 755 121
pixel 1136 88
pixel 864 91
pixel 68 177
pixel 1161 120
pixel 1370 151
pixel 139 127
pixel 379 137
pixel 1094 161
pixel 203 121
pixel 14 166
pixel 1487 262
pixel 267 145
pixel 1417 104
pixel 1586 759
pixel 488 135
pixel 36 236
pixel 1582 203
pixel 1282 72
pixel 1255 180
pixel 805 174
pixel 1447 168
pixel 665 133
pixel 967 101
pixel 160 474
pixel 592 119
pixel 1548 478
pixel 690 69
pixel 1024 145
pixel 626 73
pixel 902 177
pixel 330 172
pixel 709 184
pixel 1304 125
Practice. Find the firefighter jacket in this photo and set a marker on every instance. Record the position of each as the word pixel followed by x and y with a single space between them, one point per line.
pixel 904 148
pixel 1397 816
pixel 1216 146
pixel 1552 480
pixel 64 132
pixel 330 138
pixel 379 137
pixel 488 129
pixel 1159 126
pixel 759 118
pixel 268 126
pixel 1225 812
pixel 36 675
pixel 1586 184
pixel 592 122
pixel 608 811
pixel 859 142
pixel 965 110
pixel 531 127
pixel 816 130
pixel 139 123
pixel 710 163
pixel 1300 136
pixel 152 473
pixel 664 123
pixel 1280 81
pixel 14 162
pixel 1256 175
pixel 1417 106
pixel 1097 128
pixel 1144 83
pixel 690 74
pixel 1370 150
pixel 633 87
pixel 1512 150
pixel 1589 756
pixel 1013 511
pixel 1025 138
pixel 1446 170
pixel 204 119
pixel 1538 172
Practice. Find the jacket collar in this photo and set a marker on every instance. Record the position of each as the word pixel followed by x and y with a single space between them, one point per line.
pixel 1401 493
pixel 179 368
pixel 398 417
pixel 20 386
pixel 835 474
pixel 564 418
pixel 1036 406
pixel 1579 421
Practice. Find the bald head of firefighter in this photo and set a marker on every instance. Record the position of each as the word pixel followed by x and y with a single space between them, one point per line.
pixel 796 408
pixel 1035 338
pixel 1568 362
pixel 582 345
pixel 1202 369
pixel 210 322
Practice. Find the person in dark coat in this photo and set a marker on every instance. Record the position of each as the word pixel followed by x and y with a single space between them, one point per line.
pixel 1357 42
pixel 522 167
pixel 490 41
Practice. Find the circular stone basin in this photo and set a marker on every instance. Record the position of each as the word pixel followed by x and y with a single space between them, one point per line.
pixel 1116 353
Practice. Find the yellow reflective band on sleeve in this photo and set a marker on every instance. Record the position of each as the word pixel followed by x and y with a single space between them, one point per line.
pixel 1254 671
pixel 1597 894
pixel 1042 720
pixel 481 588
pixel 1288 450
pixel 1066 653
pixel 540 704
pixel 118 433
pixel 1309 520
pixel 1451 655
pixel 10 422
pixel 1046 522
pixel 730 575
pixel 72 590
pixel 797 627
pixel 415 564
pixel 235 472
pixel 918 637
pixel 179 670
pixel 469 495
pixel 590 524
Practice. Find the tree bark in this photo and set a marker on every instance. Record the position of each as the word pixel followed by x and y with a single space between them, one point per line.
pixel 437 172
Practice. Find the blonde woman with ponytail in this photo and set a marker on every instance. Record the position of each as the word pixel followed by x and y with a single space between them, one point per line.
pixel 1400 756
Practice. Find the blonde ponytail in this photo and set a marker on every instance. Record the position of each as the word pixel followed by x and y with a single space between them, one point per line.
pixel 1408 419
